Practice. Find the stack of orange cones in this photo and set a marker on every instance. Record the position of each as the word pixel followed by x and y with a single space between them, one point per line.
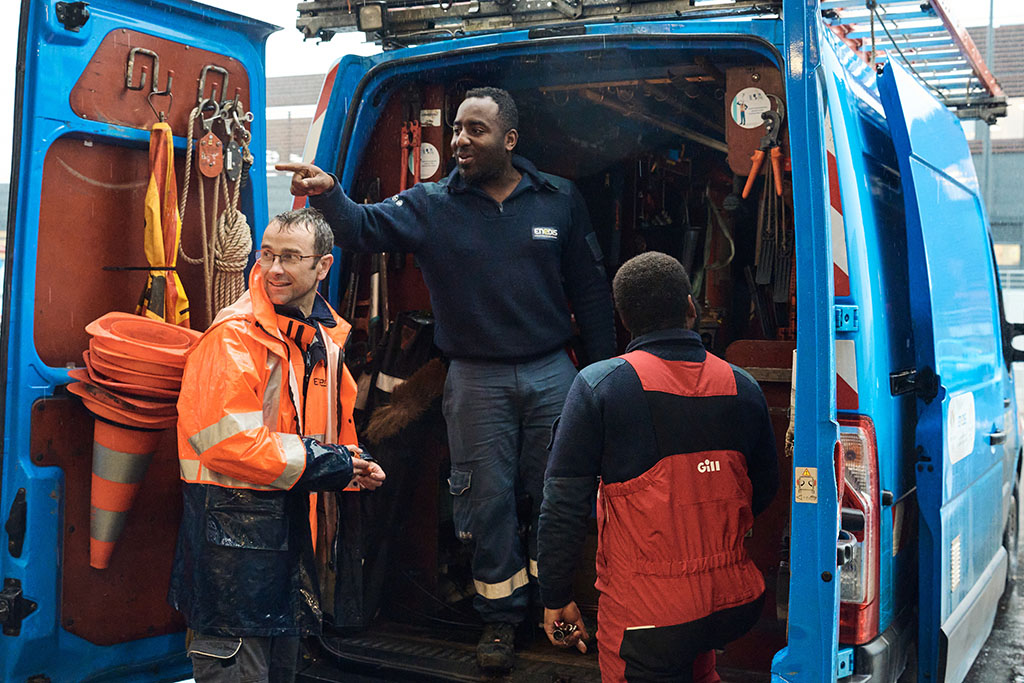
pixel 130 384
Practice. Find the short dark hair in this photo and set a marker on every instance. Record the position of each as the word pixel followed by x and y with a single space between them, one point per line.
pixel 323 236
pixel 508 112
pixel 651 293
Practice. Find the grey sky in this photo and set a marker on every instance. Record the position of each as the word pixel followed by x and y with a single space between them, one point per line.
pixel 287 53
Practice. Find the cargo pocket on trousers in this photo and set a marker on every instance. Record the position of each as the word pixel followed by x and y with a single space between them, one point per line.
pixel 214 658
pixel 458 485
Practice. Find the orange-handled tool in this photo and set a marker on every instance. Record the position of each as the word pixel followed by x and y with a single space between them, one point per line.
pixel 770 141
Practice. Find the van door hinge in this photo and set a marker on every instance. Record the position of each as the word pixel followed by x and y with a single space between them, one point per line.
pixel 845 667
pixel 13 607
pixel 924 383
pixel 73 15
pixel 846 318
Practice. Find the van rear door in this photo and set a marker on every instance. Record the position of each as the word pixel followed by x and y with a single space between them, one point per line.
pixel 958 374
pixel 92 78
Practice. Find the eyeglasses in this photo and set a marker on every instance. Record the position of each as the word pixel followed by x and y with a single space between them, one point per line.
pixel 265 257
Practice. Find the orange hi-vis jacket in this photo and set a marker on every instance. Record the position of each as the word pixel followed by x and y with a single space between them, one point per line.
pixel 245 402
pixel 263 407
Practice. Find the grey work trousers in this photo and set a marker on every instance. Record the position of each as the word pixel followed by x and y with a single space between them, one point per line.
pixel 249 659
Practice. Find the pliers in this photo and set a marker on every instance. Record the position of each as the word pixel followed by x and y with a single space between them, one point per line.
pixel 770 141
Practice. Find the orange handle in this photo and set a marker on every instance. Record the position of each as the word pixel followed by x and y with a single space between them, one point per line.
pixel 757 159
pixel 777 168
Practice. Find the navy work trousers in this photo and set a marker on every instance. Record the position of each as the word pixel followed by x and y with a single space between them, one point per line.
pixel 499 418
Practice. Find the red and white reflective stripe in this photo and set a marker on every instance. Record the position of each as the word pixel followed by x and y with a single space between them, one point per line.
pixel 313 136
pixel 840 266
pixel 846 375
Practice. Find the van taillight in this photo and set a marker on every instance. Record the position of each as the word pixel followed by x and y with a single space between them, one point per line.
pixel 858 586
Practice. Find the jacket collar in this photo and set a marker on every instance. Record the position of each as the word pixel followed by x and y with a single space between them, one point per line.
pixel 533 177
pixel 676 335
pixel 255 303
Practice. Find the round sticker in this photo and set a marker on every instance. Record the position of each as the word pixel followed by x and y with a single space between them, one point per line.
pixel 430 161
pixel 748 105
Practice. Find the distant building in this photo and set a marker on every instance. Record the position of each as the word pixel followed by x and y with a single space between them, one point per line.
pixel 291 101
pixel 1005 199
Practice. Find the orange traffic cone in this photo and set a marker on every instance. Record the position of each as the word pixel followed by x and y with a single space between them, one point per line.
pixel 120 457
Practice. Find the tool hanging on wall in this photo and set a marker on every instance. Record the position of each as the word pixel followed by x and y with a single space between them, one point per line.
pixel 225 250
pixel 163 297
pixel 411 139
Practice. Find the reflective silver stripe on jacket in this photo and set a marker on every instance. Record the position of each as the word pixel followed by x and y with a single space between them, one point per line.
pixel 294 451
pixel 502 589
pixel 272 393
pixel 224 428
pixel 388 383
pixel 294 461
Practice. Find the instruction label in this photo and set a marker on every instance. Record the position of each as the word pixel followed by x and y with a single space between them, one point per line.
pixel 747 107
pixel 960 426
pixel 806 489
pixel 430 118
pixel 430 161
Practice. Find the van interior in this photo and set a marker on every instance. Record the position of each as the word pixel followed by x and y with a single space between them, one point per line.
pixel 658 136
pixel 660 143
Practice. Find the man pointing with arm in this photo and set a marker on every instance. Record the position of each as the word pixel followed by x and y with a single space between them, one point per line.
pixel 503 248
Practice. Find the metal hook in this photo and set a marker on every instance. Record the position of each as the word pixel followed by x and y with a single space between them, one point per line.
pixel 213 90
pixel 131 67
pixel 161 116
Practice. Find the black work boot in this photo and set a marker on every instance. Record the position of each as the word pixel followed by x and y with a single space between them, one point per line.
pixel 496 650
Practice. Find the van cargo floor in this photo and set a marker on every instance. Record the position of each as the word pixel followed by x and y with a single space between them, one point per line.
pixel 407 653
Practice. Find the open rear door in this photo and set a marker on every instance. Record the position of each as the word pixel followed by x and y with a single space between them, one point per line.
pixel 93 79
pixel 960 428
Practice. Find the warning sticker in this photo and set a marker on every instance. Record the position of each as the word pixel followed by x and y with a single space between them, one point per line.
pixel 747 107
pixel 806 489
pixel 430 118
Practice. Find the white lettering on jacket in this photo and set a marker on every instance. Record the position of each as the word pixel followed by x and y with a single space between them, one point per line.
pixel 709 466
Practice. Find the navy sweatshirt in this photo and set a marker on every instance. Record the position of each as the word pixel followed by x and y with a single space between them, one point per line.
pixel 501 276
pixel 606 433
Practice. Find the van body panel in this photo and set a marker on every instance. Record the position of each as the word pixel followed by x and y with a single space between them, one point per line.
pixel 810 654
pixel 872 212
pixel 105 631
pixel 953 298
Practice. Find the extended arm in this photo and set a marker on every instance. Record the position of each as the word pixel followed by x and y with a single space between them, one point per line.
pixel 396 224
pixel 569 486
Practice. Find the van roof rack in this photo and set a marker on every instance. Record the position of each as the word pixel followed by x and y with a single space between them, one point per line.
pixel 927 39
pixel 395 23
pixel 921 33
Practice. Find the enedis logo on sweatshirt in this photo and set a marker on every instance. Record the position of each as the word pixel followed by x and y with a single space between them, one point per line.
pixel 545 233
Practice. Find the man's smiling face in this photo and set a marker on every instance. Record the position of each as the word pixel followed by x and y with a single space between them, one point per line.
pixel 294 285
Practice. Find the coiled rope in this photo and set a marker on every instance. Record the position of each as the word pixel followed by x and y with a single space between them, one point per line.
pixel 225 251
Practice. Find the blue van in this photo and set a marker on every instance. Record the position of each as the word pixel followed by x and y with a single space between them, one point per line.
pixel 850 270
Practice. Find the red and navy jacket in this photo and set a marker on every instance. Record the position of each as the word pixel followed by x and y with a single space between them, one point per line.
pixel 680 444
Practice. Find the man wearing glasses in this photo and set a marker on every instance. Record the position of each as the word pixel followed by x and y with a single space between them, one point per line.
pixel 265 404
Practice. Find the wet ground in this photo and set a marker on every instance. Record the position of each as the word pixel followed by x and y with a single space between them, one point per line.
pixel 1002 658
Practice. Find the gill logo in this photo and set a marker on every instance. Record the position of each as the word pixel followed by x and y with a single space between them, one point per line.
pixel 545 233
pixel 709 466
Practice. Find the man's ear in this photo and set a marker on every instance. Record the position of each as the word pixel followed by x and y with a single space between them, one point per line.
pixel 691 312
pixel 324 266
pixel 511 139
